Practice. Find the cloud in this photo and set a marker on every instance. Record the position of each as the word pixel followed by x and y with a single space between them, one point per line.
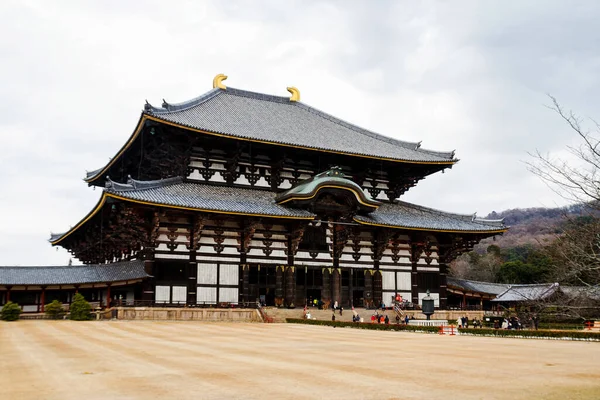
pixel 470 76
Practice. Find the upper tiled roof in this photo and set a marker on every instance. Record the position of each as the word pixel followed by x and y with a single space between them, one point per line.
pixel 274 119
pixel 175 192
pixel 477 287
pixel 407 215
pixel 72 275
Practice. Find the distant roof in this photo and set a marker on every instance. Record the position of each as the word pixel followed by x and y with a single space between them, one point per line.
pixel 411 216
pixel 476 286
pixel 72 275
pixel 527 292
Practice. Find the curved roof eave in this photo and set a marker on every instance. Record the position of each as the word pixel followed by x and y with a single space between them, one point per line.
pixel 55 239
pixel 93 175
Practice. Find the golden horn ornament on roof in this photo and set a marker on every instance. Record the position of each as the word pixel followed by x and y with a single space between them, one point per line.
pixel 295 93
pixel 218 81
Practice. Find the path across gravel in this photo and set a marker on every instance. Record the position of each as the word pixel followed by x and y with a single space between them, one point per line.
pixel 189 360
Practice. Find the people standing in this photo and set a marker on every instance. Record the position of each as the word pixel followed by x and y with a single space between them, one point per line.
pixel 387 320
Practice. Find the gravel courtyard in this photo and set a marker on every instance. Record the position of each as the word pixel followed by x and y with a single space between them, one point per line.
pixel 187 360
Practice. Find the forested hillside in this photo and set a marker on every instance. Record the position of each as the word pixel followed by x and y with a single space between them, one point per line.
pixel 524 253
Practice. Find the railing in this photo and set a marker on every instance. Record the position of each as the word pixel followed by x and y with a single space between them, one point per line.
pixel 465 307
pixel 265 317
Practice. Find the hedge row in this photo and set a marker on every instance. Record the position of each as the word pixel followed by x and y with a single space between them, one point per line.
pixel 541 334
pixel 380 327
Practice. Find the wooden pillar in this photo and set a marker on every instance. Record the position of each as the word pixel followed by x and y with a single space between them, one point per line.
pixel 443 286
pixel 414 292
pixel 336 286
pixel 192 269
pixel 43 299
pixel 149 285
pixel 464 300
pixel 368 288
pixel 8 288
pixel 377 288
pixel 326 288
pixel 290 286
pixel 108 296
pixel 246 283
pixel 279 285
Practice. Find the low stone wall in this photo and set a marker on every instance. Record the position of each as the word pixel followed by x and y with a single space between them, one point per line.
pixel 280 314
pixel 189 314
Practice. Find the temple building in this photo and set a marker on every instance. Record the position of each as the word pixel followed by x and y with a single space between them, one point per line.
pixel 236 196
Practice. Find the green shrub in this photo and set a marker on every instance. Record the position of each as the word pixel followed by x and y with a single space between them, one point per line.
pixel 54 310
pixel 10 312
pixel 379 327
pixel 541 334
pixel 80 309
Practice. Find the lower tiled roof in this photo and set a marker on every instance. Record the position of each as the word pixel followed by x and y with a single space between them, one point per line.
pixel 207 197
pixel 72 275
pixel 411 216
pixel 476 286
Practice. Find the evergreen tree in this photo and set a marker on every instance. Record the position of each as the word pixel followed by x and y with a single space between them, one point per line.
pixel 80 309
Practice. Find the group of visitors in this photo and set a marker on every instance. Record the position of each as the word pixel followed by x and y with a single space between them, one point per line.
pixel 510 323
pixel 463 322
pixel 380 318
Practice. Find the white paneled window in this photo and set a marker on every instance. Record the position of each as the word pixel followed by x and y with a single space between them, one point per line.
pixel 404 280
pixel 228 275
pixel 206 295
pixel 207 274
pixel 228 295
pixel 162 294
pixel 179 294
pixel 388 280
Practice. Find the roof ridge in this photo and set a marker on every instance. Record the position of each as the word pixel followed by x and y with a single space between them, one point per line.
pixel 184 105
pixel 134 184
pixel 74 266
pixel 464 217
pixel 470 280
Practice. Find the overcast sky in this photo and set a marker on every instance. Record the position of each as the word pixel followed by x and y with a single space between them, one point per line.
pixel 471 76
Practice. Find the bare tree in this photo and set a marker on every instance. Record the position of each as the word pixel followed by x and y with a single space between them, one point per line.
pixel 576 180
pixel 576 251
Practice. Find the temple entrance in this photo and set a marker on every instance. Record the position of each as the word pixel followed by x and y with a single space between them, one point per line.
pixel 358 298
pixel 267 296
pixel 311 295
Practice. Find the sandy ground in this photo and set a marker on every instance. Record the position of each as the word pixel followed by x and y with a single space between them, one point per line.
pixel 188 360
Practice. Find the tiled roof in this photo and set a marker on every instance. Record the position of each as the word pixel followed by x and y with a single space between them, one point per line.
pixel 175 192
pixel 255 116
pixel 80 274
pixel 477 287
pixel 407 215
pixel 527 292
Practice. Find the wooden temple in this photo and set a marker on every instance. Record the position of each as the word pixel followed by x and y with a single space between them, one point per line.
pixel 236 196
